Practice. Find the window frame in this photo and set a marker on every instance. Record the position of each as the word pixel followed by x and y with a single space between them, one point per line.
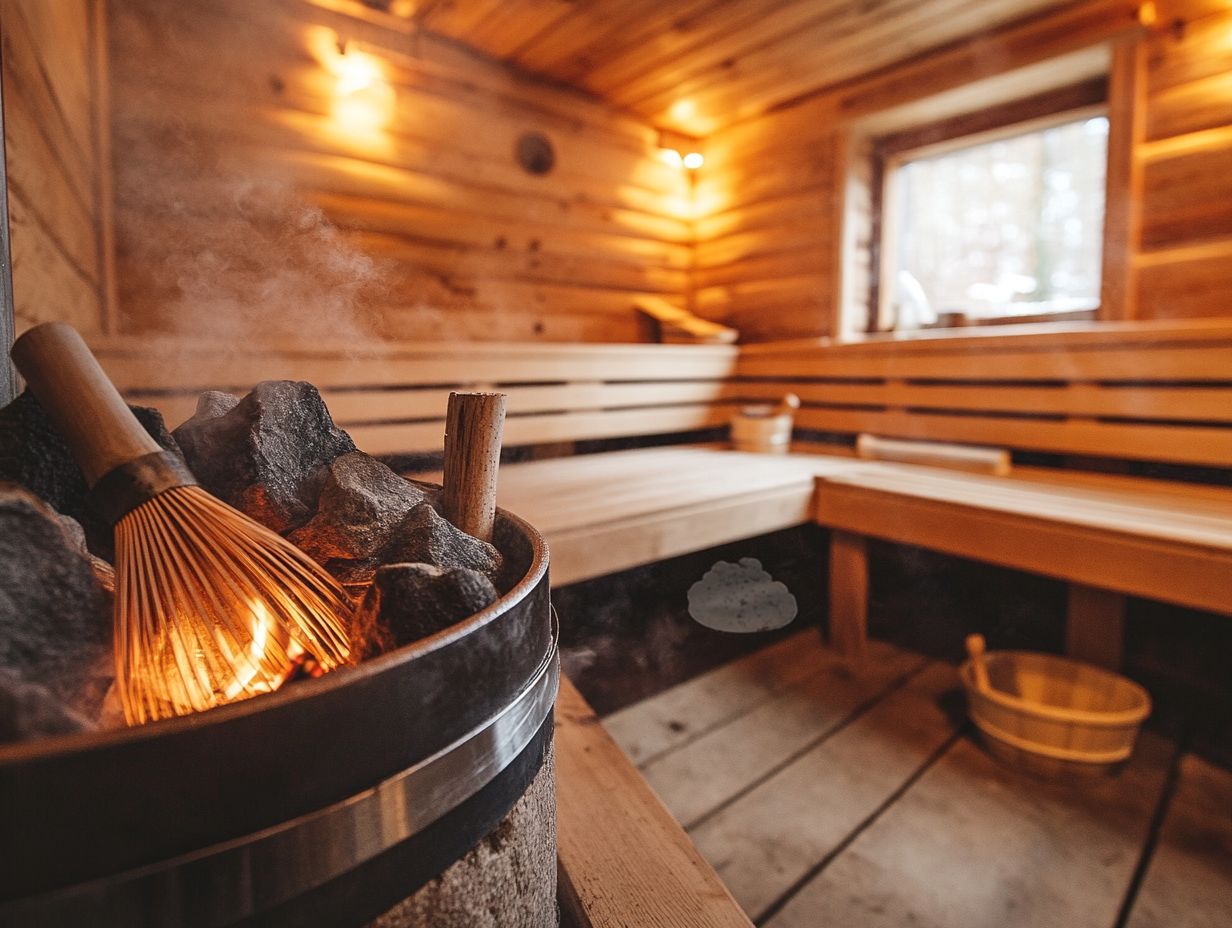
pixel 888 152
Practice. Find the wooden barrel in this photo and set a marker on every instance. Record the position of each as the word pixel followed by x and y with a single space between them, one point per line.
pixel 326 803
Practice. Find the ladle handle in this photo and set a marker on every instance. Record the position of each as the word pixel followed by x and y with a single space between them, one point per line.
pixel 101 431
pixel 474 423
pixel 975 650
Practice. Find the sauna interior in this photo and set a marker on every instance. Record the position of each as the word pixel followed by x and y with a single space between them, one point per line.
pixel 860 380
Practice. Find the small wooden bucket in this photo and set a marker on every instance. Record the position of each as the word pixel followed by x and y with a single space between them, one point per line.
pixel 765 429
pixel 1055 716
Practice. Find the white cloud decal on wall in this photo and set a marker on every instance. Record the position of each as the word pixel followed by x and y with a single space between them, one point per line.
pixel 741 597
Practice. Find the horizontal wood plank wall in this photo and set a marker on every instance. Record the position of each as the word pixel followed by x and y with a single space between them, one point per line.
pixel 1156 392
pixel 51 103
pixel 392 398
pixel 768 225
pixel 234 152
pixel 1185 263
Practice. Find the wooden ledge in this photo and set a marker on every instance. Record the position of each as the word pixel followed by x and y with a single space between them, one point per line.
pixel 624 860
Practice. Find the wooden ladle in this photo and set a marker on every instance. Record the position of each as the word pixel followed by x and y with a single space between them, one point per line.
pixel 975 650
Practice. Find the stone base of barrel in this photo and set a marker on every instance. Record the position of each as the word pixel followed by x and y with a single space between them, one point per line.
pixel 508 880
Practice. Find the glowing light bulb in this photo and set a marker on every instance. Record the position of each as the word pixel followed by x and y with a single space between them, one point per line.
pixel 693 160
pixel 363 99
pixel 670 157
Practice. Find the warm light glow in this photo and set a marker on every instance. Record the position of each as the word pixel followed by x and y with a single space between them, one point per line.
pixel 671 157
pixel 252 680
pixel 364 100
pixel 694 160
pixel 682 110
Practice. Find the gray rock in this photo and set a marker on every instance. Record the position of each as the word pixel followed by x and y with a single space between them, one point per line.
pixel 104 573
pixel 33 454
pixel 268 455
pixel 55 618
pixel 28 710
pixel 213 403
pixel 407 602
pixel 427 537
pixel 362 501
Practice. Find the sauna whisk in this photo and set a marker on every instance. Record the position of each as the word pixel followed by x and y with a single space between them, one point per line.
pixel 210 607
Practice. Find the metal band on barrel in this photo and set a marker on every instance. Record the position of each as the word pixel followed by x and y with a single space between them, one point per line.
pixel 238 874
pixel 122 489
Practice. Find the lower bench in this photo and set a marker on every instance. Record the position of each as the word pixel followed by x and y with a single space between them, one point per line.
pixel 1106 536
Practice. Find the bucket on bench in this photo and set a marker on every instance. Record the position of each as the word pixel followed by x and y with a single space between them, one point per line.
pixel 765 429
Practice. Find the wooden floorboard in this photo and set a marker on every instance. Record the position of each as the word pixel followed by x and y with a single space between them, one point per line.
pixel 975 843
pixel 1188 882
pixel 681 714
pixel 826 798
pixel 706 773
pixel 772 836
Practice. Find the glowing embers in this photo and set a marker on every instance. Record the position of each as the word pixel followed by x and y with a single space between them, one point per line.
pixel 213 608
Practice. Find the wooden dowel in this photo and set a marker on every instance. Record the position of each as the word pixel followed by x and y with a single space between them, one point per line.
pixel 473 426
pixel 975 650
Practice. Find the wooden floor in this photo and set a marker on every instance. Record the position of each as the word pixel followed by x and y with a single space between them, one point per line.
pixel 824 798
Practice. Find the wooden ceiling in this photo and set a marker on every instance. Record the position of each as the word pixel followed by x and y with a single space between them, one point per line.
pixel 697 65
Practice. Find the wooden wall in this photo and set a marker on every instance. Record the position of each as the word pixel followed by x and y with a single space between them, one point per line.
pixel 224 113
pixel 771 195
pixel 1184 265
pixel 55 153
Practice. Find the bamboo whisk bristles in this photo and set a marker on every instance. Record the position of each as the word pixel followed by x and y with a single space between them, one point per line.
pixel 212 607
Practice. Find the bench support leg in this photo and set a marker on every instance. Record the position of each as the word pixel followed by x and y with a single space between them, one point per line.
pixel 848 594
pixel 1095 631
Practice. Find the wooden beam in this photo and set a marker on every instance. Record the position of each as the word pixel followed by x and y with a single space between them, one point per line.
pixel 849 594
pixel 623 859
pixel 1124 185
pixel 1095 630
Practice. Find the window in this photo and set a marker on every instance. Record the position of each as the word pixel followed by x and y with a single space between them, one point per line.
pixel 1003 226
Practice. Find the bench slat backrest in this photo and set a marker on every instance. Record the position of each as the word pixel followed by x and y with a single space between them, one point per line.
pixel 392 398
pixel 1156 392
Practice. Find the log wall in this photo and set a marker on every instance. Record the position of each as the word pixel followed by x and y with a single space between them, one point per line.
pixel 243 197
pixel 771 197
pixel 1184 265
pixel 55 153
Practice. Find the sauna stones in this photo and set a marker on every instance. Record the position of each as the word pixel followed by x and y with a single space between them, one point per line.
pixel 361 504
pixel 427 537
pixel 268 454
pixel 55 616
pixel 33 454
pixel 28 710
pixel 407 602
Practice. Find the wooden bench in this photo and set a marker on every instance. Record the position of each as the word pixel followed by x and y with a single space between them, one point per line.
pixel 600 512
pixel 1125 394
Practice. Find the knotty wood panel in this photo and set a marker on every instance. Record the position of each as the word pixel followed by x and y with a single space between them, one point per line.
pixel 255 209
pixel 1187 231
pixel 55 160
pixel 766 176
pixel 697 65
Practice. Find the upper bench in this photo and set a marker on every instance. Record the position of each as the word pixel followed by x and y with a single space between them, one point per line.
pixel 392 398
